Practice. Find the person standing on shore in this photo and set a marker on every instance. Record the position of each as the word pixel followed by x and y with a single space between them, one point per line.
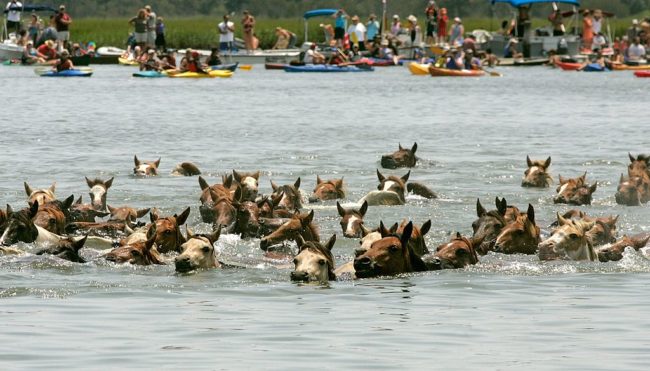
pixel 151 27
pixel 140 24
pixel 161 44
pixel 13 16
pixel 339 26
pixel 63 22
pixel 35 27
pixel 248 26
pixel 431 12
pixel 442 25
pixel 587 29
pixel 226 34
pixel 456 33
pixel 357 32
pixel 372 27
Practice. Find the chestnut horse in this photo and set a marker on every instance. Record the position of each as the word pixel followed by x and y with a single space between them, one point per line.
pixel 389 256
pixel 145 168
pixel 574 191
pixel 127 214
pixel 53 215
pixel 248 182
pixel 352 220
pixel 67 249
pixel 98 192
pixel 327 190
pixel 314 262
pixel 633 191
pixel 403 157
pixel 569 240
pixel 186 169
pixel 290 198
pixel 137 253
pixel 298 226
pixel 211 193
pixel 489 224
pixel 614 252
pixel 390 191
pixel 41 195
pixel 167 231
pixel 80 212
pixel 521 236
pixel 198 252
pixel 458 253
pixel 537 173
pixel 416 242
pixel 639 166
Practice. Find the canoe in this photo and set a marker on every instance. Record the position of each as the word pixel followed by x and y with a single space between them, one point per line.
pixel 67 73
pixel 625 67
pixel 225 67
pixel 642 73
pixel 274 66
pixel 127 62
pixel 435 71
pixel 196 75
pixel 149 74
pixel 595 67
pixel 568 66
pixel 326 68
pixel 419 68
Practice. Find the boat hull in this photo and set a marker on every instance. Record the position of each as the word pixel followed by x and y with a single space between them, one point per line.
pixel 419 68
pixel 444 72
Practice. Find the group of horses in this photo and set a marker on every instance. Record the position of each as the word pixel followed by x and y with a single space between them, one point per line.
pixel 235 206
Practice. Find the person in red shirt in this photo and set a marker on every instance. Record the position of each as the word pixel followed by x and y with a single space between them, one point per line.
pixel 47 51
pixel 442 25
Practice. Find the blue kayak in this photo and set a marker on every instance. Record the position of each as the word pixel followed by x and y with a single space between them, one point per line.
pixel 228 67
pixel 148 74
pixel 326 68
pixel 67 73
pixel 595 67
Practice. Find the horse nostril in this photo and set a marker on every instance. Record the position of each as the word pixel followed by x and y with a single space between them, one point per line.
pixel 359 252
pixel 363 261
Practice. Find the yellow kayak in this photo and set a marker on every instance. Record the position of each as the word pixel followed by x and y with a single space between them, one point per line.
pixel 419 68
pixel 127 62
pixel 196 75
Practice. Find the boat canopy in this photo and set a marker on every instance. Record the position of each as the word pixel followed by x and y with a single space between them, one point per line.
pixel 518 3
pixel 319 13
pixel 31 8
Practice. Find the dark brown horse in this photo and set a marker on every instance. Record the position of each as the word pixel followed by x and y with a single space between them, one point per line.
pixel 98 192
pixel 19 226
pixel 80 212
pixel 633 191
pixel 137 253
pixel 603 231
pixel 327 190
pixel 212 193
pixel 521 236
pixel 574 191
pixel 67 249
pixel 489 225
pixel 614 252
pixel 145 168
pixel 537 173
pixel 458 253
pixel 352 220
pixel 639 166
pixel 53 215
pixel 290 199
pixel 403 157
pixel 314 262
pixel 416 242
pixel 299 226
pixel 167 231
pixel 389 256
pixel 186 169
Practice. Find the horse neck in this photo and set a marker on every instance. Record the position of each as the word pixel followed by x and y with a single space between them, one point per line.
pixel 309 233
pixel 46 237
pixel 585 252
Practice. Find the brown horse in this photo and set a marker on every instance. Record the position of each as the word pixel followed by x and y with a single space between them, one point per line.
pixel 421 190
pixel 299 225
pixel 614 252
pixel 327 190
pixel 574 191
pixel 211 193
pixel 168 236
pixel 521 236
pixel 67 249
pixel 290 199
pixel 403 157
pixel 145 168
pixel 633 191
pixel 389 256
pixel 416 242
pixel 98 192
pixel 537 173
pixel 186 169
pixel 137 253
pixel 603 231
pixel 639 166
pixel 458 253
pixel 390 191
pixel 127 214
pixel 248 214
pixel 249 183
pixel 41 195
pixel 52 215
pixel 489 224
pixel 3 220
pixel 19 226
pixel 198 252
pixel 80 212
pixel 314 262
pixel 352 220
pixel 569 240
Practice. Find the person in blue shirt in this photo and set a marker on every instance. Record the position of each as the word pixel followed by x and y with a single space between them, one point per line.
pixel 372 27
pixel 339 26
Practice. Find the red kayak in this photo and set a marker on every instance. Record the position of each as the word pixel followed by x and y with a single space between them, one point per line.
pixel 275 66
pixel 642 73
pixel 568 66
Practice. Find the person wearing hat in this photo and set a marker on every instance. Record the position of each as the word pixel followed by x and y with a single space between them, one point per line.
pixel 431 12
pixel 372 27
pixel 63 22
pixel 357 32
pixel 396 26
pixel 634 30
pixel 13 15
pixel 47 51
pixel 30 55
pixel 414 29
pixel 339 26
pixel 587 29
pixel 456 32
pixel 150 62
pixel 597 21
pixel 442 25
pixel 313 56
pixel 64 63
pixel 151 27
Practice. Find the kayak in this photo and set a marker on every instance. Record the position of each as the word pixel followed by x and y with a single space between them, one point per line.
pixel 419 68
pixel 149 74
pixel 625 67
pixel 67 73
pixel 435 71
pixel 196 75
pixel 568 66
pixel 127 62
pixel 274 66
pixel 226 67
pixel 326 68
pixel 595 67
pixel 642 73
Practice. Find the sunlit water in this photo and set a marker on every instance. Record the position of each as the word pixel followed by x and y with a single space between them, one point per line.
pixel 508 312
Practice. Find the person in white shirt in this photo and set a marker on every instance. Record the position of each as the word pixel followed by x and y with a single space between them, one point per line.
pixel 599 42
pixel 636 52
pixel 13 16
pixel 312 56
pixel 357 33
pixel 226 34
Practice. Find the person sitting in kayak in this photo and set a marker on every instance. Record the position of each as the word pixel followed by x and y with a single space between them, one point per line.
pixel 388 52
pixel 490 59
pixel 77 51
pixel 337 57
pixel 30 55
pixel 456 61
pixel 470 62
pixel 511 49
pixel 313 56
pixel 599 61
pixel 151 63
pixel 47 51
pixel 193 64
pixel 214 59
pixel 169 61
pixel 64 63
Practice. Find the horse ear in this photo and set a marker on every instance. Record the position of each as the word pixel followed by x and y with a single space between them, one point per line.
pixel 458 236
pixel 562 180
pixel 414 148
pixel 297 183
pixel 214 236
pixel 363 209
pixel 405 178
pixel 364 230
pixel 425 227
pixel 528 161
pixel 382 229
pixel 109 183
pixel 380 176
pixel 52 187
pixel 33 209
pixel 236 176
pixel 393 228
pixel 340 209
pixel 140 213
pixel 28 189
pixel 181 219
pixel 203 184
pixel 274 186
pixel 78 244
pixel 561 220
pixel 641 242
pixel 480 210
pixel 621 179
pixel 89 182
pixel 399 146
pixel 227 183
pixel 79 201
pixel 318 180
pixel 300 241
pixel 502 205
pixel 136 161
pixel 632 159
pixel 613 220
pixel 257 175
pixel 189 233
pixel 67 203
pixel 309 218
pixel 547 163
pixel 583 177
pixel 157 163
pixel 276 200
pixel 213 195
pixel 338 183
pixel 153 216
pixel 593 187
pixel 406 235
pixel 151 237
pixel 238 194
pixel 330 243
pixel 9 210
pixel 531 213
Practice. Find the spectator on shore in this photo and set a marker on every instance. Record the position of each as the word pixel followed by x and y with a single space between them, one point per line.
pixel 431 12
pixel 339 26
pixel 456 32
pixel 35 27
pixel 139 22
pixel 442 25
pixel 63 22
pixel 248 27
pixel 161 43
pixel 13 16
pixel 396 27
pixel 414 30
pixel 151 27
pixel 357 33
pixel 226 34
pixel 372 27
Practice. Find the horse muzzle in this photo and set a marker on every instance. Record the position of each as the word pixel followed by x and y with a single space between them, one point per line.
pixel 299 276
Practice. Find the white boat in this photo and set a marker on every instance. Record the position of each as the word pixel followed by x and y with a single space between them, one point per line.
pixel 8 47
pixel 9 50
pixel 110 51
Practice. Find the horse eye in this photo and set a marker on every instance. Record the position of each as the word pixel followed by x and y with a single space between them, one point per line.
pixel 206 248
pixel 321 262
pixel 394 248
pixel 360 242
pixel 461 252
pixel 135 252
pixel 295 261
pixel 168 232
pixel 573 236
